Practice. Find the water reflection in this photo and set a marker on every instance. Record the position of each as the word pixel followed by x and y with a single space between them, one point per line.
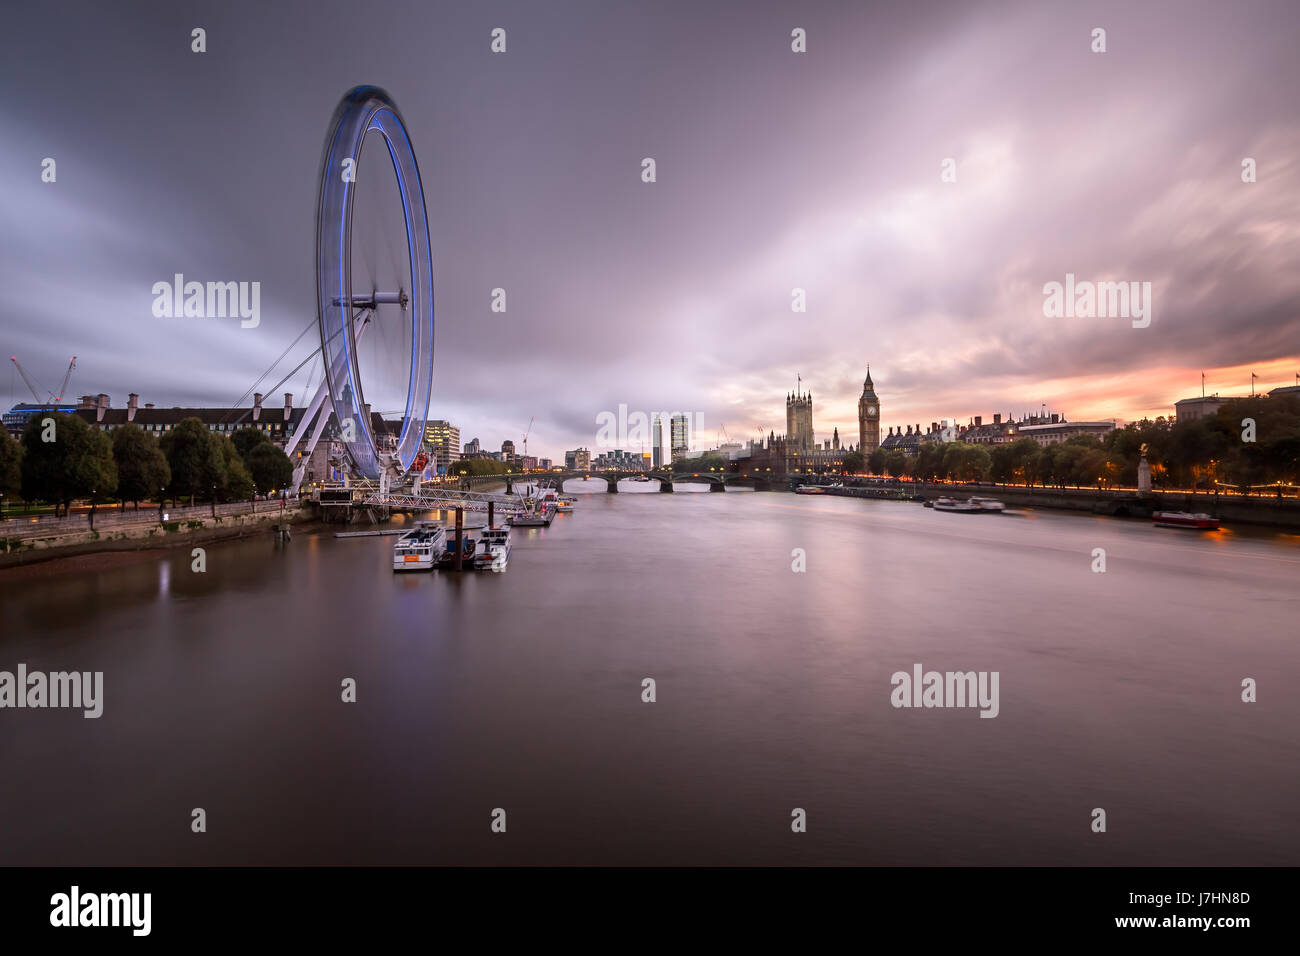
pixel 476 689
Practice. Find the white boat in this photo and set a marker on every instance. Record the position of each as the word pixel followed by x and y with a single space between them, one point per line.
pixel 494 548
pixel 952 504
pixel 421 548
pixel 988 504
pixel 564 503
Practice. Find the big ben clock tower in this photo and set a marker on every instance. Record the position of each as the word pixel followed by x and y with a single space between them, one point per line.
pixel 868 417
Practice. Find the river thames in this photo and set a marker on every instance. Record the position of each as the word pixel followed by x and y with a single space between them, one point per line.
pixel 522 691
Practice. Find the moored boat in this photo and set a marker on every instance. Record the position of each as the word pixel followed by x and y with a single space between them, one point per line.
pixel 468 540
pixel 533 516
pixel 494 548
pixel 564 504
pixel 988 504
pixel 1185 519
pixel 810 490
pixel 421 548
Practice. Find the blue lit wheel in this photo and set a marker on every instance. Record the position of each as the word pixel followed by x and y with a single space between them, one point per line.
pixel 352 307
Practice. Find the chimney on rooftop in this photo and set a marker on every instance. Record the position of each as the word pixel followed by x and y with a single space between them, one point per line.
pixel 101 406
pixel 997 418
pixel 148 404
pixel 86 401
pixel 257 405
pixel 132 404
pixel 288 404
pixel 979 420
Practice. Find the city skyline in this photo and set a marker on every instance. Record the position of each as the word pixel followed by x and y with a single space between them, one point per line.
pixel 710 436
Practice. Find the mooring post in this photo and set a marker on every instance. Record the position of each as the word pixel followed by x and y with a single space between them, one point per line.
pixel 491 505
pixel 460 538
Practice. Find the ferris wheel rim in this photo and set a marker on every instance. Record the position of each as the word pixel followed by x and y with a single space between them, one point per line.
pixel 363 111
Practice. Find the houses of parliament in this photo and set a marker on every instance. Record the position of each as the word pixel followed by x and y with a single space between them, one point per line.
pixel 797 450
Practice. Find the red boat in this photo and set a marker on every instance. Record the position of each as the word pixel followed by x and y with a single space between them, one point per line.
pixel 1184 519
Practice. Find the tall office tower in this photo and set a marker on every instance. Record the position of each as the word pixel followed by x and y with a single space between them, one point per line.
pixel 680 436
pixel 443 438
pixel 657 440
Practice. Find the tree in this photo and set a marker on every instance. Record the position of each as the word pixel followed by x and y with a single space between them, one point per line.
pixel 1044 464
pixel 966 462
pixel 1124 446
pixel 1014 461
pixel 269 467
pixel 876 461
pixel 703 463
pixel 195 457
pixel 1093 468
pixel 11 462
pixel 236 482
pixel 77 462
pixel 896 463
pixel 1193 446
pixel 929 461
pixel 477 466
pixel 142 469
pixel 247 439
pixel 853 463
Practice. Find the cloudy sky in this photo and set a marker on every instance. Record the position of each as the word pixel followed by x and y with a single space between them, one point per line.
pixel 775 170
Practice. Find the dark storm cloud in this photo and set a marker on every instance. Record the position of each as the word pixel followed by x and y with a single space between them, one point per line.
pixel 775 170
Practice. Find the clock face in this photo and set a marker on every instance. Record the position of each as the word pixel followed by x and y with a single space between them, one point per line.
pixel 871 409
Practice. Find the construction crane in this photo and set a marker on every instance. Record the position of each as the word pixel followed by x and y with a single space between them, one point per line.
pixel 528 432
pixel 35 390
pixel 64 387
pixel 31 386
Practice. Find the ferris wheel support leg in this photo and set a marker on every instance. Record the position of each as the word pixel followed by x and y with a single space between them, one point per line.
pixel 319 401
